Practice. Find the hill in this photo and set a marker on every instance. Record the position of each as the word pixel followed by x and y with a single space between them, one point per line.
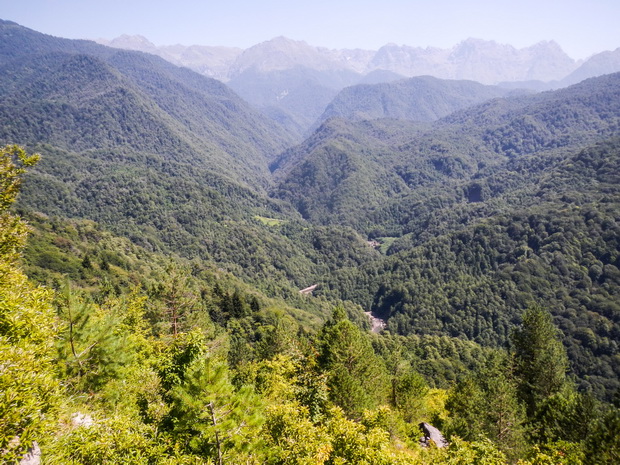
pixel 473 59
pixel 292 82
pixel 159 154
pixel 451 226
pixel 396 160
pixel 196 288
pixel 470 270
pixel 482 214
pixel 417 99
pixel 294 97
pixel 210 61
pixel 194 113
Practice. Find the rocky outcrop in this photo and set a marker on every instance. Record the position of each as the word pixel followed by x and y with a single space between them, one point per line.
pixel 33 457
pixel 432 436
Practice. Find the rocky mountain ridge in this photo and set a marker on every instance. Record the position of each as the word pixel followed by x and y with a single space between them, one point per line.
pixel 293 82
pixel 480 60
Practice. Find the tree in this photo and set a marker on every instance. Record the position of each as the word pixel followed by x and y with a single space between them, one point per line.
pixel 95 342
pixel 486 405
pixel 28 388
pixel 293 439
pixel 602 446
pixel 357 378
pixel 540 359
pixel 13 163
pixel 212 418
pixel 178 298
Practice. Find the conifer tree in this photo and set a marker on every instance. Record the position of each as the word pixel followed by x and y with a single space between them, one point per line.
pixel 486 405
pixel 94 344
pixel 357 378
pixel 212 418
pixel 540 359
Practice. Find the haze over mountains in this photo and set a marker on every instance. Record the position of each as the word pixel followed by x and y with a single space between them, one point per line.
pixel 474 59
pixel 293 82
pixel 177 161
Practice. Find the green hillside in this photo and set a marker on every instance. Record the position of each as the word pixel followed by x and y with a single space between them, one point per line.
pixel 151 313
pixel 83 97
pixel 398 163
pixel 422 98
pixel 558 248
pixel 481 215
pixel 166 157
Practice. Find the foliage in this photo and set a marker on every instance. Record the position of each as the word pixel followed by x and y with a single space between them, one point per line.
pixel 109 440
pixel 357 378
pixel 477 452
pixel 210 417
pixel 422 98
pixel 28 388
pixel 540 359
pixel 486 405
pixel 603 443
pixel 493 213
pixel 557 249
pixel 13 162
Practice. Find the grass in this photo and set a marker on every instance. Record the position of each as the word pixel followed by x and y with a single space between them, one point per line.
pixel 269 221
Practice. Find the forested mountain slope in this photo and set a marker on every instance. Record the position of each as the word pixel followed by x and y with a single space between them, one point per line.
pixel 160 154
pixel 84 86
pixel 555 244
pixel 482 213
pixel 423 98
pixel 342 169
pixel 109 371
pixel 173 236
pixel 393 163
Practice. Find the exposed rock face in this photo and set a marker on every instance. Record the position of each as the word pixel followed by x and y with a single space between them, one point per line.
pixel 33 457
pixel 281 53
pixel 597 65
pixel 480 60
pixel 432 436
pixel 212 61
pixel 292 82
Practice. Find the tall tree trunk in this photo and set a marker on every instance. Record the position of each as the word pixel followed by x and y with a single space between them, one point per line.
pixel 220 460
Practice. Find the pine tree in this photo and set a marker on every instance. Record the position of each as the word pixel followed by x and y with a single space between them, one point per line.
pixel 178 298
pixel 540 359
pixel 486 405
pixel 94 344
pixel 357 378
pixel 215 420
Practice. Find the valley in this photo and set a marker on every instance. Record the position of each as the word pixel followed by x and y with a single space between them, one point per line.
pixel 188 261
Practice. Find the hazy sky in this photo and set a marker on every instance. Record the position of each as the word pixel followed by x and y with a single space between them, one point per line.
pixel 581 27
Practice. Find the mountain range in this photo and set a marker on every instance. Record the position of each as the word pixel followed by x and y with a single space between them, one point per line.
pixel 292 81
pixel 447 207
pixel 473 59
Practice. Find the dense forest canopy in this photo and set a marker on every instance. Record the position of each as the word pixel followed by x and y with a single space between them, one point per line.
pixel 150 270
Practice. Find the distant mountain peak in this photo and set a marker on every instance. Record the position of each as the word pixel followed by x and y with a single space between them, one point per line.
pixel 130 42
pixel 280 53
pixel 286 40
pixel 476 41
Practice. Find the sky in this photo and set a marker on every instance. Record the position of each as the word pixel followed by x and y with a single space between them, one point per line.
pixel 581 27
